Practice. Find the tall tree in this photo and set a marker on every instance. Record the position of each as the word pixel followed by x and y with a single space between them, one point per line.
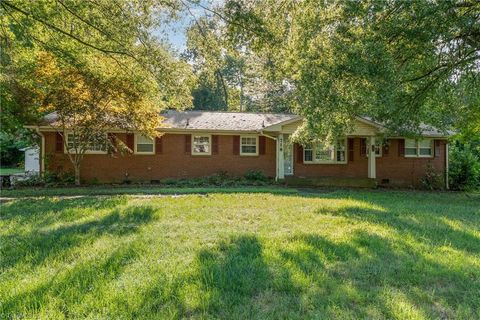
pixel 230 75
pixel 385 59
pixel 97 65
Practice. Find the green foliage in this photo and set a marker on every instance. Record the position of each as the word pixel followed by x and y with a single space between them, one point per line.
pixel 332 255
pixel 48 179
pixel 97 65
pixel 432 180
pixel 221 179
pixel 464 167
pixel 10 154
pixel 390 60
pixel 230 77
pixel 255 175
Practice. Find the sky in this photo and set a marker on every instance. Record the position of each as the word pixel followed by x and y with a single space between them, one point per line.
pixel 176 31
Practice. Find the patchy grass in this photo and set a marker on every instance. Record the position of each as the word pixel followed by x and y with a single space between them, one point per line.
pixel 343 254
pixel 10 170
pixel 137 190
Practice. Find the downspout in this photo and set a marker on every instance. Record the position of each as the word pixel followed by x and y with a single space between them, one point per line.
pixel 42 150
pixel 276 152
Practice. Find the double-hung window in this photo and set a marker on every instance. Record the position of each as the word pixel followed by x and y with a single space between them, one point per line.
pixel 248 145
pixel 96 145
pixel 201 145
pixel 144 144
pixel 325 153
pixel 418 148
pixel 425 148
pixel 378 147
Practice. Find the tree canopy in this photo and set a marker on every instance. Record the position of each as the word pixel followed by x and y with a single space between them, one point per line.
pixel 400 62
pixel 97 65
pixel 102 37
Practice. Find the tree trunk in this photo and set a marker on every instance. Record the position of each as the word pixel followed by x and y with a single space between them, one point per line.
pixel 224 87
pixel 77 174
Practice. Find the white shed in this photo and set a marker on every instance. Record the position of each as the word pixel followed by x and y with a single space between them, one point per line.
pixel 32 160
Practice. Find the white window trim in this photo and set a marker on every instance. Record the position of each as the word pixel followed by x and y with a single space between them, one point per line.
pixel 256 149
pixel 65 146
pixel 417 147
pixel 193 145
pixel 327 161
pixel 135 145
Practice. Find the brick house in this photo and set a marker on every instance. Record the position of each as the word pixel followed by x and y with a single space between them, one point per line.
pixel 199 143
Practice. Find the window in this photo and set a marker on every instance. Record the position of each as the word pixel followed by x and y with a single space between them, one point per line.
pixel 201 145
pixel 378 148
pixel 410 148
pixel 248 146
pixel 308 154
pixel 98 145
pixel 425 148
pixel 418 148
pixel 340 150
pixel 324 153
pixel 143 144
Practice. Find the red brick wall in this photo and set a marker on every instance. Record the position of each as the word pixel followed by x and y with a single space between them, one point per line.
pixel 403 171
pixel 172 163
pixel 354 169
pixel 400 171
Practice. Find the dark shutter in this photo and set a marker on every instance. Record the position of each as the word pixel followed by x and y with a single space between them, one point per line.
pixel 363 147
pixel 214 144
pixel 401 147
pixel 386 148
pixel 236 145
pixel 261 145
pixel 299 153
pixel 351 143
pixel 437 148
pixel 159 145
pixel 188 144
pixel 58 142
pixel 130 141
pixel 112 146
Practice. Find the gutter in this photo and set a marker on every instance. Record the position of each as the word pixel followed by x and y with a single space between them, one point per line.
pixel 268 136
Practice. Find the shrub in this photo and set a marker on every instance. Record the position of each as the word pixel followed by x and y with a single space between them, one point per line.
pixel 432 180
pixel 48 179
pixel 255 175
pixel 31 181
pixel 464 168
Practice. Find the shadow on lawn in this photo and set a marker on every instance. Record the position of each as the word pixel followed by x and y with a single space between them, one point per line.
pixel 73 286
pixel 34 247
pixel 46 211
pixel 366 275
pixel 429 226
pixel 311 276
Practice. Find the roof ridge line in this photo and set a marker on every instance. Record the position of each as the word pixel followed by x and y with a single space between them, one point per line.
pixel 231 112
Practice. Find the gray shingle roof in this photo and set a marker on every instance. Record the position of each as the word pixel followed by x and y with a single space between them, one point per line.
pixel 425 129
pixel 226 121
pixel 236 121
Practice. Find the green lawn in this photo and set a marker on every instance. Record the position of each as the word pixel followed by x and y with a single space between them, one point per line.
pixel 337 254
pixel 10 170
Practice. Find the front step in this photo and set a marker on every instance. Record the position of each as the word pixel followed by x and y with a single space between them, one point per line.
pixel 331 182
